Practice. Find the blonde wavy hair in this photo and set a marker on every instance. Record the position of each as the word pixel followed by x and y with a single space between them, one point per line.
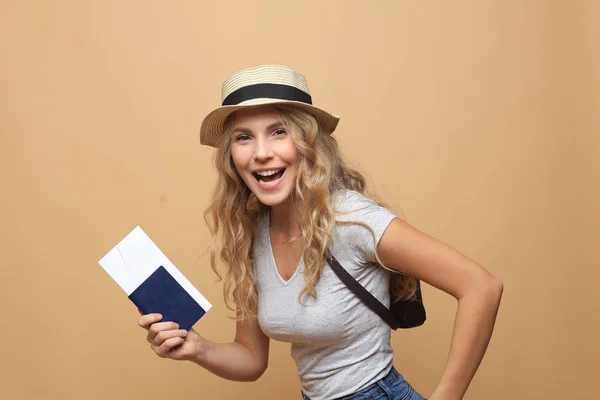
pixel 233 215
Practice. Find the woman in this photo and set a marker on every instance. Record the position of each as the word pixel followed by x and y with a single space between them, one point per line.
pixel 284 201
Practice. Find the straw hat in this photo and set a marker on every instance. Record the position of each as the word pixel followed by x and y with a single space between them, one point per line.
pixel 265 84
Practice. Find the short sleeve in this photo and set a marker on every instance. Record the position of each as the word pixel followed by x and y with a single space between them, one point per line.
pixel 355 207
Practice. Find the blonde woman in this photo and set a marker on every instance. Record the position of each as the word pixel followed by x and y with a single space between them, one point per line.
pixel 285 200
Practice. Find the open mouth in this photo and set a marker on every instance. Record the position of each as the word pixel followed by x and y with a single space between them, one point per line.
pixel 269 176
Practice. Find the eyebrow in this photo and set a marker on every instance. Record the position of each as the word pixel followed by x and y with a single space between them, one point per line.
pixel 246 130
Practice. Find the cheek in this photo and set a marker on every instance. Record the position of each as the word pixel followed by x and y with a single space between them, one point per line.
pixel 239 164
pixel 291 154
pixel 238 158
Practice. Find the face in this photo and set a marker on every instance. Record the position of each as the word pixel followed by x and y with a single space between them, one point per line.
pixel 264 154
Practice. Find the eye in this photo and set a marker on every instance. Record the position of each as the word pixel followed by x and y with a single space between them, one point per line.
pixel 241 138
pixel 279 131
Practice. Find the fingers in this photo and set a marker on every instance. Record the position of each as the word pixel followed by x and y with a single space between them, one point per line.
pixel 158 327
pixel 164 341
pixel 165 348
pixel 162 336
pixel 146 320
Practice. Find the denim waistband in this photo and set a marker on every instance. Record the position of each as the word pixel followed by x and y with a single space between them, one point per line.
pixel 392 377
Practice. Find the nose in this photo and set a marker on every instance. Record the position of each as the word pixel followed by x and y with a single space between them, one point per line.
pixel 262 151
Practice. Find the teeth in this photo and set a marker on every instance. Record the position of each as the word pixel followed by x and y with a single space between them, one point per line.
pixel 269 173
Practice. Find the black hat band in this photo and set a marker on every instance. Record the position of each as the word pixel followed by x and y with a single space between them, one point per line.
pixel 266 90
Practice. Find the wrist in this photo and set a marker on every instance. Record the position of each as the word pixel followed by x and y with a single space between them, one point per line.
pixel 441 395
pixel 201 347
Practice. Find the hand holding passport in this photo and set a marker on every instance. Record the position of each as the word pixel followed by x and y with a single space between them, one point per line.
pixel 152 282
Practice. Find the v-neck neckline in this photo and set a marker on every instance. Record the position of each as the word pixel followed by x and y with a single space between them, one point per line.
pixel 272 254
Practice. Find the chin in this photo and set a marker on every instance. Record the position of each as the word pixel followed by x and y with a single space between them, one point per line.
pixel 272 199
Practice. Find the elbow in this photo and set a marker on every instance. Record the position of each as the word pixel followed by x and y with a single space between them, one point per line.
pixel 497 286
pixel 256 373
pixel 493 288
pixel 487 288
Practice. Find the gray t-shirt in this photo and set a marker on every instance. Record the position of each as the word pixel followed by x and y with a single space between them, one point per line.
pixel 340 346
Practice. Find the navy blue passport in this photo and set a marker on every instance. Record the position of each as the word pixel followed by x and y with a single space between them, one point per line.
pixel 161 293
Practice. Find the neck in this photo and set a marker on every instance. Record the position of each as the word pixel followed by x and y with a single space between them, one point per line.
pixel 283 221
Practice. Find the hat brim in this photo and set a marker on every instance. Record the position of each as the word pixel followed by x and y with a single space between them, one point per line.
pixel 211 129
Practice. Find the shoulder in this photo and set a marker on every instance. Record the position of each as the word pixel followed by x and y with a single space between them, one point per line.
pixel 353 205
pixel 351 200
pixel 361 223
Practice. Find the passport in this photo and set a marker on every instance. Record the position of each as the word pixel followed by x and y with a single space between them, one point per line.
pixel 152 282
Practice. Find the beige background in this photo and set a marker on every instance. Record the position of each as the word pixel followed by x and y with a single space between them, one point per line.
pixel 477 120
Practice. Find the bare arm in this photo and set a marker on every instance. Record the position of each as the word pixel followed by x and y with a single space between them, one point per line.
pixel 478 292
pixel 244 359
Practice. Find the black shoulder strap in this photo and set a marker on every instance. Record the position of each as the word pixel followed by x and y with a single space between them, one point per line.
pixel 363 294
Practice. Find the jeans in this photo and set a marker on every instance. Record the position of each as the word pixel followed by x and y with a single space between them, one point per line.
pixel 391 387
